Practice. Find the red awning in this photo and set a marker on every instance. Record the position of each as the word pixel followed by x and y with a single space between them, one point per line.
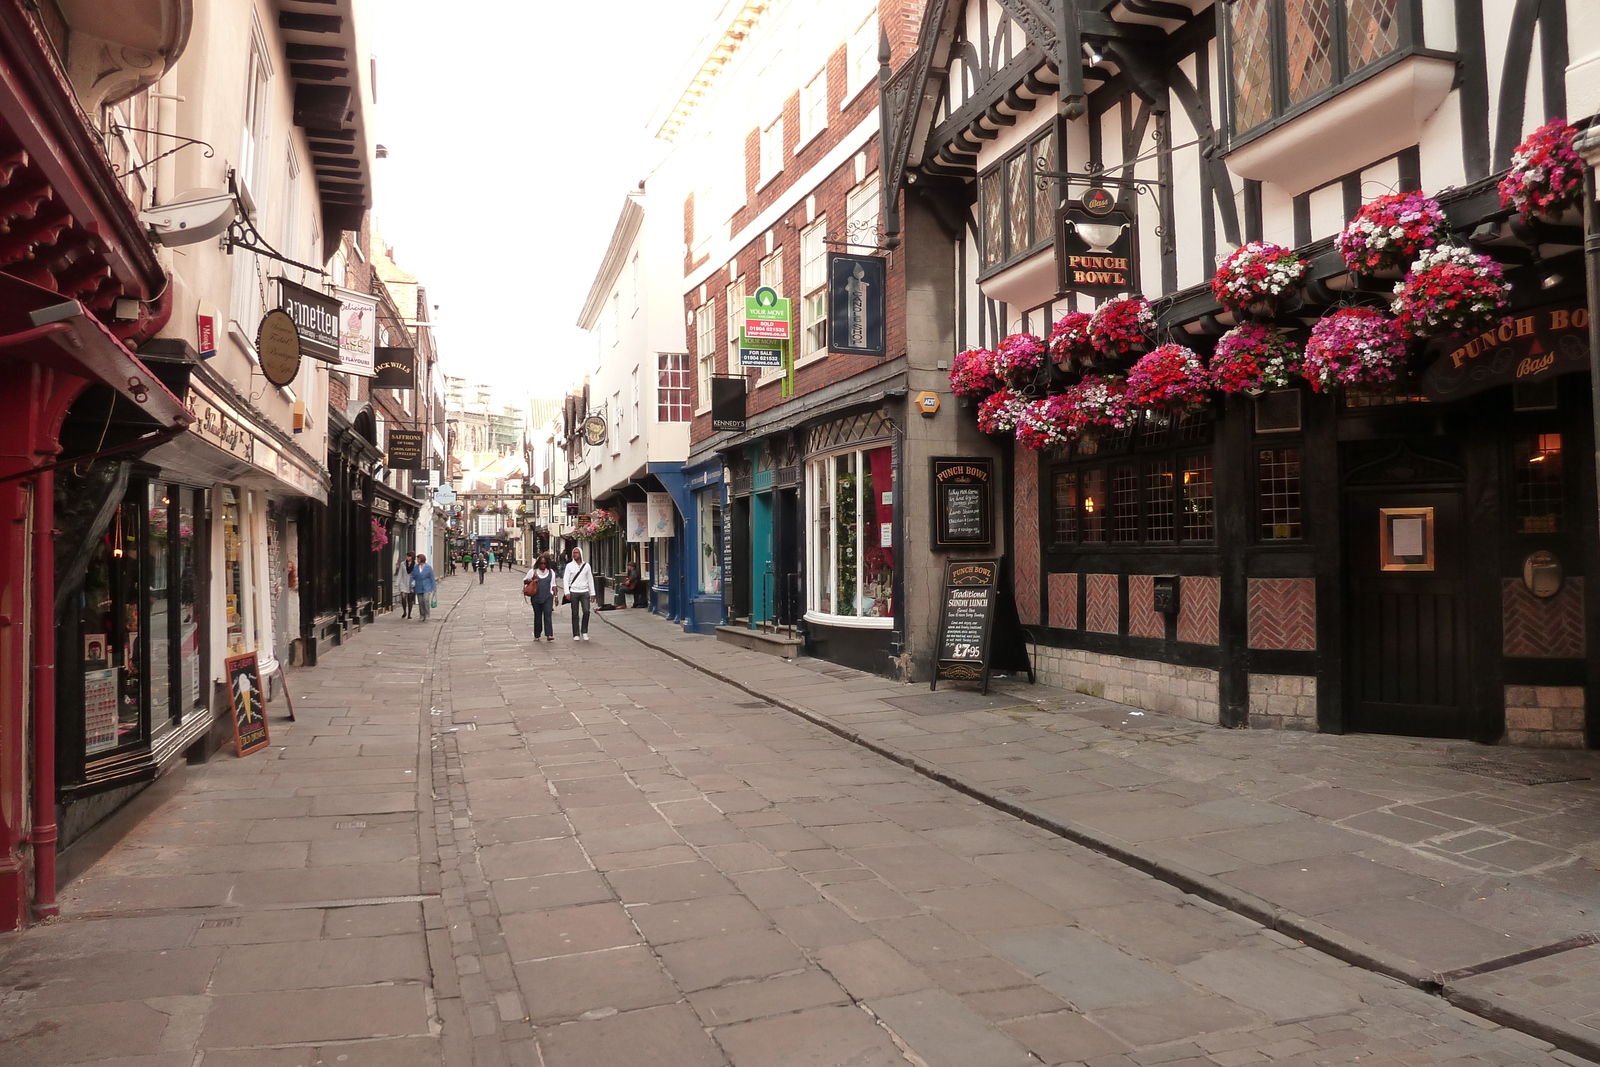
pixel 43 327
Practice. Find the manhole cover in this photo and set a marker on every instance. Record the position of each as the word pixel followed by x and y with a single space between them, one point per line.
pixel 1520 775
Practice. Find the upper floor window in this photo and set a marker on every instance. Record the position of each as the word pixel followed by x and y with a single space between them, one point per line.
pixel 814 287
pixel 672 387
pixel 705 347
pixel 733 300
pixel 861 53
pixel 814 107
pixel 772 278
pixel 771 151
pixel 1283 53
pixel 1018 215
pixel 256 127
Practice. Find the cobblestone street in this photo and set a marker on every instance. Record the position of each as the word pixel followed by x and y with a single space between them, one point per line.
pixel 471 849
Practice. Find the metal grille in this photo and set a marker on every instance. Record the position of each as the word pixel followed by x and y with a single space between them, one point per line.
pixel 1158 500
pixel 1094 506
pixel 1280 493
pixel 1308 26
pixel 1124 502
pixel 1372 30
pixel 1537 477
pixel 1064 507
pixel 1252 64
pixel 863 427
pixel 1199 517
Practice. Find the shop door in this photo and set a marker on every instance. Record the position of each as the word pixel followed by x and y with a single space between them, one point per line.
pixel 787 538
pixel 763 572
pixel 736 586
pixel 1409 656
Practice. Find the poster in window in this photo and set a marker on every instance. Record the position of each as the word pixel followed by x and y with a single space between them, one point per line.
pixel 963 508
pixel 248 697
pixel 1405 539
pixel 638 521
pixel 856 287
pixel 99 710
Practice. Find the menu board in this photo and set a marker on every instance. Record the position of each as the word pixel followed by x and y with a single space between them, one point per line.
pixel 963 511
pixel 249 701
pixel 966 621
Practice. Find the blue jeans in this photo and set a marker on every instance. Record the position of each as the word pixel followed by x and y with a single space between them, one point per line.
pixel 544 619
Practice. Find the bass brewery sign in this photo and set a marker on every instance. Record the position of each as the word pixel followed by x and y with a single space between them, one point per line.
pixel 1530 346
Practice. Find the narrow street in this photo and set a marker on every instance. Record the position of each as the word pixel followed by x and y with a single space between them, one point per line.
pixel 473 850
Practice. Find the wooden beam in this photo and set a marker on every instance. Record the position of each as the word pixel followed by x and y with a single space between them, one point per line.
pixel 294 20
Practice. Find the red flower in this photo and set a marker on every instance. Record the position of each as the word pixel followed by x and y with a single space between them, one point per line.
pixel 1172 376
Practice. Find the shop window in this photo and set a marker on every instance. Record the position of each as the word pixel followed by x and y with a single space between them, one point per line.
pixel 1199 517
pixel 710 524
pixel 850 541
pixel 1124 503
pixel 1286 54
pixel 234 569
pixel 1018 217
pixel 1064 507
pixel 1537 479
pixel 1278 489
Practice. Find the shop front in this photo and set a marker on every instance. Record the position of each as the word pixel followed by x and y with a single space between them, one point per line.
pixel 706 547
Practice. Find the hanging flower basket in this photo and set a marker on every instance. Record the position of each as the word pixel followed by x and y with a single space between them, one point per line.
pixel 1171 378
pixel 1000 411
pixel 1100 401
pixel 1546 174
pixel 1391 231
pixel 380 536
pixel 1069 346
pixel 1354 346
pixel 973 373
pixel 1252 358
pixel 1048 423
pixel 601 524
pixel 1450 289
pixel 1255 278
pixel 1019 357
pixel 1122 326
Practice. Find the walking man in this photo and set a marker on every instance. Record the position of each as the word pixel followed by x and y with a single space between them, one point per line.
pixel 423 584
pixel 578 581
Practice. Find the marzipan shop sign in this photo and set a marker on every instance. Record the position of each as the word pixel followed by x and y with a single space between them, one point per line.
pixel 1527 346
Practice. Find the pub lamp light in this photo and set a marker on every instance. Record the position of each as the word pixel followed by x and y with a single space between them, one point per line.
pixel 1095 58
pixel 1551 280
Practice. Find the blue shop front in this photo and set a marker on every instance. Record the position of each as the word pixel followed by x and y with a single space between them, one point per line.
pixel 698 582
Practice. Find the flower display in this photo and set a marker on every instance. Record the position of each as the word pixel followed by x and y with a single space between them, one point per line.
pixel 1171 376
pixel 1101 401
pixel 1259 271
pixel 1546 175
pixel 973 373
pixel 599 525
pixel 1047 423
pixel 1121 325
pixel 1354 346
pixel 1069 339
pixel 380 535
pixel 1252 357
pixel 1000 411
pixel 1019 357
pixel 1391 231
pixel 1449 289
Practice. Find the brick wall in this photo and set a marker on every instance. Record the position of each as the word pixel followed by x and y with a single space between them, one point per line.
pixel 1544 716
pixel 1283 614
pixel 1542 628
pixel 1187 692
pixel 1064 601
pixel 1143 618
pixel 1199 600
pixel 1101 603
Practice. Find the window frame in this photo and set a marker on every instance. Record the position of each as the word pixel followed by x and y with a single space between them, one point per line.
pixel 1274 443
pixel 1045 233
pixel 861 51
pixel 771 152
pixel 705 351
pixel 770 273
pixel 821 572
pixel 813 257
pixel 733 295
pixel 635 420
pixel 813 99
pixel 674 396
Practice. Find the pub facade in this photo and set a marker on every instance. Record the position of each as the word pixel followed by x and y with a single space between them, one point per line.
pixel 1397 553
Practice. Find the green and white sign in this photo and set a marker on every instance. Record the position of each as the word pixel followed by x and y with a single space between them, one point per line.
pixel 766 316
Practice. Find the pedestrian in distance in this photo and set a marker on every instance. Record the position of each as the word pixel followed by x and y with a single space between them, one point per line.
pixel 539 586
pixel 423 585
pixel 481 565
pixel 402 583
pixel 578 581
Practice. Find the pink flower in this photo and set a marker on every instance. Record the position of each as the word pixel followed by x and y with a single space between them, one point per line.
pixel 1252 357
pixel 1000 411
pixel 1450 289
pixel 1047 423
pixel 1391 231
pixel 1069 339
pixel 1546 175
pixel 974 373
pixel 1257 271
pixel 1098 401
pixel 1019 357
pixel 1172 376
pixel 1354 346
pixel 1121 325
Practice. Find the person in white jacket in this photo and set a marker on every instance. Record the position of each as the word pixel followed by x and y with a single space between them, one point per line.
pixel 578 581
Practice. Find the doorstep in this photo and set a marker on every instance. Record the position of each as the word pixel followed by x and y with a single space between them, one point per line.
pixel 772 644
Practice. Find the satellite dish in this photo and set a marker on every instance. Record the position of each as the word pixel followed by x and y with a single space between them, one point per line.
pixel 198 215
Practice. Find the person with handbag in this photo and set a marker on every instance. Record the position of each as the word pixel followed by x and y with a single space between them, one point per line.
pixel 539 586
pixel 423 585
pixel 578 581
pixel 402 583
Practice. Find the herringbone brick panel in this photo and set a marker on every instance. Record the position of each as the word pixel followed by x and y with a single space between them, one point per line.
pixel 1143 618
pixel 1064 601
pixel 1545 629
pixel 1283 614
pixel 1100 603
pixel 1198 600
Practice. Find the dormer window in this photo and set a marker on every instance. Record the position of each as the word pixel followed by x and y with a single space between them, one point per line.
pixel 1284 56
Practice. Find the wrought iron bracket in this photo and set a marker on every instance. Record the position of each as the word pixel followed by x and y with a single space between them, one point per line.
pixel 1043 178
pixel 119 130
pixel 242 233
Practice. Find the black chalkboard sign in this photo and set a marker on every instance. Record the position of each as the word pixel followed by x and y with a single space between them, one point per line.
pixel 249 700
pixel 963 509
pixel 966 621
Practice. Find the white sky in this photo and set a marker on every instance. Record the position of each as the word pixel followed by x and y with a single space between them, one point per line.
pixel 514 130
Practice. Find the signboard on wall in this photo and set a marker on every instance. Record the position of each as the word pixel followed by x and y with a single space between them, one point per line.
pixel 963 501
pixel 316 316
pixel 396 368
pixel 966 621
pixel 1096 253
pixel 405 450
pixel 638 521
pixel 358 326
pixel 661 514
pixel 727 404
pixel 856 302
pixel 766 315
pixel 1530 346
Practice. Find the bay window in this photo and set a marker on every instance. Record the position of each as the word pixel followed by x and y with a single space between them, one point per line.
pixel 1018 217
pixel 850 540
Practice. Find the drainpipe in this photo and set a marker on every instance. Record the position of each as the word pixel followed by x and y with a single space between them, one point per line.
pixel 44 834
pixel 1588 146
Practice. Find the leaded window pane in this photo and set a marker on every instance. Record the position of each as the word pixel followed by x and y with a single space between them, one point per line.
pixel 1536 474
pixel 1064 503
pixel 1158 500
pixel 1279 491
pixel 1124 502
pixel 1044 192
pixel 1199 516
pixel 1308 27
pixel 994 241
pixel 1372 30
pixel 1017 213
pixel 1094 506
pixel 1251 39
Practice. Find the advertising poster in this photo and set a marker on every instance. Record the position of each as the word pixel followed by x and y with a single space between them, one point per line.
pixel 358 328
pixel 638 521
pixel 660 514
pixel 248 697
pixel 99 710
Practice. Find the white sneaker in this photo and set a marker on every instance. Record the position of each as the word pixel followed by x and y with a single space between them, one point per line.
pixel 574 637
pixel 586 637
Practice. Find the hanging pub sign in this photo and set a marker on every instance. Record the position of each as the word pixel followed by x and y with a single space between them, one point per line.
pixel 405 450
pixel 397 368
pixel 1529 346
pixel 358 326
pixel 966 621
pixel 278 347
pixel 316 316
pixel 963 510
pixel 594 431
pixel 856 305
pixel 1096 251
pixel 727 404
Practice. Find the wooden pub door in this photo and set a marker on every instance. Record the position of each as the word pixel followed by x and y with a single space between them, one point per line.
pixel 1408 650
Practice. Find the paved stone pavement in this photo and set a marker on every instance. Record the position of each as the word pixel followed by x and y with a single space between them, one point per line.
pixel 613 858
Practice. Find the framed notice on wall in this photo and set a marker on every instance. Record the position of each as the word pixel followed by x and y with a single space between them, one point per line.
pixel 1406 539
pixel 963 501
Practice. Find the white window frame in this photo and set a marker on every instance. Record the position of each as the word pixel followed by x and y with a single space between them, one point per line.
pixel 706 501
pixel 813 109
pixel 635 277
pixel 861 56
pixel 863 205
pixel 822 487
pixel 772 275
pixel 633 427
pixel 771 151
pixel 813 290
pixel 245 299
pixel 734 295
pixel 616 423
pixel 705 351
pixel 614 318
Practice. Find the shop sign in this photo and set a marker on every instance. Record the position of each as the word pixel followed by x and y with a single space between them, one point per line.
pixel 966 620
pixel 1095 253
pixel 594 431
pixel 963 512
pixel 856 287
pixel 316 316
pixel 206 319
pixel 358 326
pixel 727 404
pixel 216 425
pixel 766 315
pixel 396 368
pixel 248 699
pixel 444 495
pixel 572 510
pixel 278 348
pixel 1529 346
pixel 661 514
pixel 638 521
pixel 405 450
pixel 380 504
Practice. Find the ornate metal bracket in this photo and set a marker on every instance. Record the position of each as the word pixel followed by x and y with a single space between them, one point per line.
pixel 119 130
pixel 242 233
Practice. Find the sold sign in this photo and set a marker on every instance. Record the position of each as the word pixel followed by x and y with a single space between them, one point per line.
pixel 766 315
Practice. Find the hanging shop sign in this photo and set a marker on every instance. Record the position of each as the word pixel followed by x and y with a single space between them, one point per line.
pixel 594 431
pixel 963 509
pixel 1530 346
pixel 661 514
pixel 358 327
pixel 638 521
pixel 316 316
pixel 278 347
pixel 405 450
pixel 206 318
pixel 396 367
pixel 727 404
pixel 444 495
pixel 248 698
pixel 1096 252
pixel 856 287
pixel 966 621
pixel 766 315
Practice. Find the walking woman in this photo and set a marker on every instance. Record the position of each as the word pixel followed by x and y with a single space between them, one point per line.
pixel 402 583
pixel 578 581
pixel 539 586
pixel 423 584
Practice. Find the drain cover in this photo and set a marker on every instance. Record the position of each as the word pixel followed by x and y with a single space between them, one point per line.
pixel 350 824
pixel 1520 775
pixel 217 924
